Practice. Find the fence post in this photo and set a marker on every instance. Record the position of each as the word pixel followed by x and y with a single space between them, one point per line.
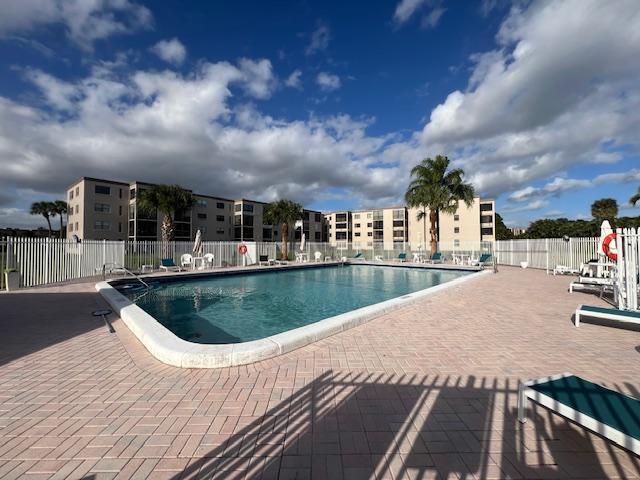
pixel 47 260
pixel 546 250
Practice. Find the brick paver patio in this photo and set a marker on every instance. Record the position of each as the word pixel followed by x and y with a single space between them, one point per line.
pixel 428 391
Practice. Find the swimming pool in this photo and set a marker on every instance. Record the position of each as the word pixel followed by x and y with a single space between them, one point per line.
pixel 242 308
pixel 242 315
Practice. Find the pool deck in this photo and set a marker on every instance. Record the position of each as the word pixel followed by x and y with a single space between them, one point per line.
pixel 426 391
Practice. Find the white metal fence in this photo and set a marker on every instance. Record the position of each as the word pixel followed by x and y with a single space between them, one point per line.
pixel 547 253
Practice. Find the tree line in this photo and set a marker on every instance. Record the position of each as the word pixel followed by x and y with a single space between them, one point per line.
pixel 603 209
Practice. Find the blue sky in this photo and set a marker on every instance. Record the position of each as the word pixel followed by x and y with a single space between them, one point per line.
pixel 328 103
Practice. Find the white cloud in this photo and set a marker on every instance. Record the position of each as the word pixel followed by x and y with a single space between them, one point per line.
pixel 294 80
pixel 171 51
pixel 319 40
pixel 83 21
pixel 554 188
pixel 560 90
pixel 328 81
pixel 194 129
pixel 535 205
pixel 632 175
pixel 405 10
pixel 432 19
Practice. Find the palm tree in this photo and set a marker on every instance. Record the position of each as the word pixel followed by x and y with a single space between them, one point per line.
pixel 167 199
pixel 46 210
pixel 283 213
pixel 604 209
pixel 434 188
pixel 59 207
pixel 636 198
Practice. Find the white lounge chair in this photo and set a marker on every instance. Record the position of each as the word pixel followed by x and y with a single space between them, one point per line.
pixel 592 282
pixel 186 260
pixel 608 313
pixel 610 414
pixel 564 270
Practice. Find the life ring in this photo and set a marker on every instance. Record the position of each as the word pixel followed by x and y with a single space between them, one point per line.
pixel 606 247
pixel 242 249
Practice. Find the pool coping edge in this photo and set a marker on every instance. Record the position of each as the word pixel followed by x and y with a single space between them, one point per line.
pixel 172 350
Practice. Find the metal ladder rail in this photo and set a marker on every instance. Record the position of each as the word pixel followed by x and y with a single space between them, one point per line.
pixel 126 270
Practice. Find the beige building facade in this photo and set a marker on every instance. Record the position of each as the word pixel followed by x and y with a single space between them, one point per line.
pixel 399 227
pixel 108 210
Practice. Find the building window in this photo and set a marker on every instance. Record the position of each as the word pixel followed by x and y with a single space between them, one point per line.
pixel 77 209
pixel 456 229
pixel 318 236
pixel 247 208
pixel 219 205
pixel 369 225
pixel 220 218
pixel 341 235
pixel 132 229
pixel 357 225
pixel 132 194
pixel 266 234
pixel 398 223
pixel 201 203
pixel 369 234
pixel 71 227
pixel 398 233
pixel 486 219
pixel 119 227
pixel 220 230
pixel 103 190
pixel 71 195
pixel 102 208
pixel 356 216
pixel 77 191
pixel 487 231
pixel 120 193
pixel 101 225
pixel 76 226
pixel 456 243
pixel 369 215
pixel 318 217
pixel 398 214
pixel 357 234
pixel 120 210
pixel 486 207
pixel 456 218
pixel 202 216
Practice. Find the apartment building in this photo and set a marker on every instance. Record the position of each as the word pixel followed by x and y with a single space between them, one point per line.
pixel 394 227
pixel 108 210
pixel 98 209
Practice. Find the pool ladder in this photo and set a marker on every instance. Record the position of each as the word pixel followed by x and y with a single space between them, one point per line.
pixel 115 266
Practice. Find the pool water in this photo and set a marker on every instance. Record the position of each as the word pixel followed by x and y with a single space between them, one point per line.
pixel 250 306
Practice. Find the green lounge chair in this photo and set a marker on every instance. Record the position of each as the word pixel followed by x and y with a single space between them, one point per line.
pixel 482 261
pixel 168 265
pixel 610 414
pixel 608 313
pixel 435 257
pixel 358 256
pixel 402 257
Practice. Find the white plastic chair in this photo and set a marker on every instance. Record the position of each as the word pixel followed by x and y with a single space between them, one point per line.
pixel 317 256
pixel 208 260
pixel 186 260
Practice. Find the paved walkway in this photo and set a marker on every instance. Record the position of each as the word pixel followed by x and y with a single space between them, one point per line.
pixel 428 391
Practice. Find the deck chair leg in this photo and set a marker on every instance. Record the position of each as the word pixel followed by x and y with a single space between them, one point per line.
pixel 522 404
pixel 576 318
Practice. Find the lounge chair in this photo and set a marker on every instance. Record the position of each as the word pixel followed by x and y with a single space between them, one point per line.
pixel 378 258
pixel 265 260
pixel 435 258
pixel 600 283
pixel 186 260
pixel 358 256
pixel 608 313
pixel 402 257
pixel 317 256
pixel 564 270
pixel 610 414
pixel 168 265
pixel 482 261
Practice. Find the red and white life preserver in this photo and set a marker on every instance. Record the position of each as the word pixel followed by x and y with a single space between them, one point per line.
pixel 606 247
pixel 242 249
